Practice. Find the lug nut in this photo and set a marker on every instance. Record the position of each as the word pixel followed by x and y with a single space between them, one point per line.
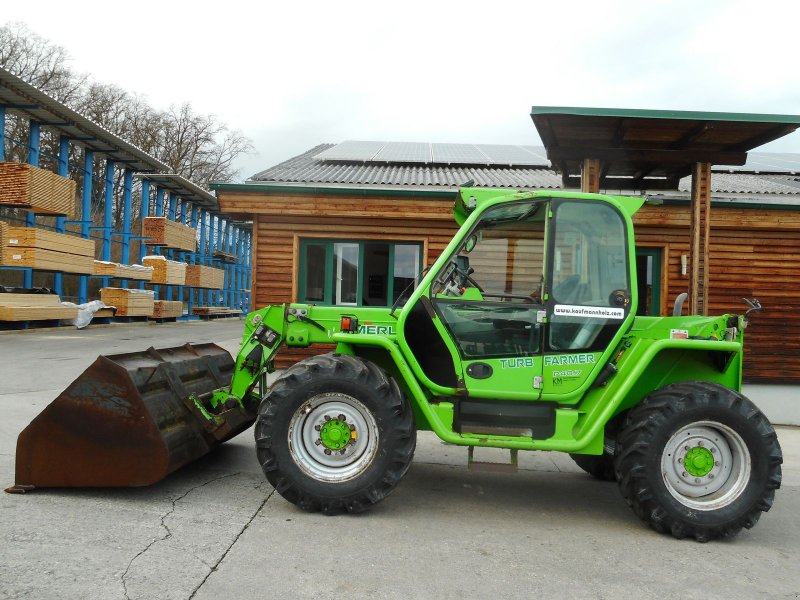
pixel 711 476
pixel 318 442
pixel 342 418
pixel 686 448
pixel 684 474
pixel 700 443
pixel 317 427
pixel 716 463
pixel 328 451
pixel 327 417
pixel 697 480
pixel 680 461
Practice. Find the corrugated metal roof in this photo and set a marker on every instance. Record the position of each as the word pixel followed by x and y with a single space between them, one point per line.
pixel 736 183
pixel 308 169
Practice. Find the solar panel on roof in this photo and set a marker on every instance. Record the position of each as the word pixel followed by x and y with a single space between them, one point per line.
pixel 404 152
pixel 352 150
pixel 506 154
pixel 458 154
pixel 427 153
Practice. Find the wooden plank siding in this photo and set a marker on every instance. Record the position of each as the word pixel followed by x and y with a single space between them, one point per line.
pixel 752 252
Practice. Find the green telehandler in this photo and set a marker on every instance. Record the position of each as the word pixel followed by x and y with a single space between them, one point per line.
pixel 522 335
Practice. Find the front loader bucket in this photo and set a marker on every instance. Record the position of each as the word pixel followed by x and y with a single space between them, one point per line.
pixel 130 420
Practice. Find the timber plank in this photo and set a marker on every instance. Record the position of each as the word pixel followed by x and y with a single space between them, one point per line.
pixel 48 260
pixel 42 191
pixel 32 237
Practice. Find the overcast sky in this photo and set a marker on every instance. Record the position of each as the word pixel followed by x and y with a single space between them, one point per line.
pixel 291 75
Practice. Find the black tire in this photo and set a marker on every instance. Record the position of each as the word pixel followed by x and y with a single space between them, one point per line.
pixel 600 467
pixel 302 402
pixel 695 420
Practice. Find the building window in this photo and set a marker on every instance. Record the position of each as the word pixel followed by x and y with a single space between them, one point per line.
pixel 357 273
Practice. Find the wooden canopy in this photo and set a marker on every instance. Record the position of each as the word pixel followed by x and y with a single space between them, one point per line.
pixel 602 148
pixel 650 149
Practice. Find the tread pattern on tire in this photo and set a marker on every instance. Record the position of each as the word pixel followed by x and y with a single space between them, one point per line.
pixel 398 435
pixel 649 419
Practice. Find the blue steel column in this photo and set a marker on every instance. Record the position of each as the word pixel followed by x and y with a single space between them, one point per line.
pixel 108 214
pixel 192 260
pixel 201 293
pixel 34 144
pixel 127 209
pixel 61 222
pixel 180 217
pixel 159 202
pixel 171 212
pixel 249 273
pixel 226 247
pixel 86 216
pixel 240 265
pixel 213 295
pixel 236 286
pixel 159 212
pixel 145 212
pixel 222 263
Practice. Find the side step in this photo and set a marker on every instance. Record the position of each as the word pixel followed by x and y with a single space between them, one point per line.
pixel 497 467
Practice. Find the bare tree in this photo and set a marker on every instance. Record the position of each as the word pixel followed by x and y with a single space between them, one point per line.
pixel 199 147
pixel 39 62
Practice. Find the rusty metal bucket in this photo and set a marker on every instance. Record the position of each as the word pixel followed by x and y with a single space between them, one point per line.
pixel 130 420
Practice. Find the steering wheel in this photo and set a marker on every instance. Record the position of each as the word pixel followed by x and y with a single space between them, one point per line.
pixel 466 278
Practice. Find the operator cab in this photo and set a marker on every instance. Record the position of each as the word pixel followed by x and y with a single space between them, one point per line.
pixel 537 291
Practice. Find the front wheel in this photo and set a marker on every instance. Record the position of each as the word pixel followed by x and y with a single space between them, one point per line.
pixel 700 460
pixel 335 434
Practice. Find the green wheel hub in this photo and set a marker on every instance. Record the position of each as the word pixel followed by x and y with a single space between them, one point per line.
pixel 698 461
pixel 335 434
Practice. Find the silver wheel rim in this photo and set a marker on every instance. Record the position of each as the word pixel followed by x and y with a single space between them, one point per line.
pixel 725 480
pixel 320 462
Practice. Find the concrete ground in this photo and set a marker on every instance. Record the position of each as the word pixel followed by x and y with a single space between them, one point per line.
pixel 216 529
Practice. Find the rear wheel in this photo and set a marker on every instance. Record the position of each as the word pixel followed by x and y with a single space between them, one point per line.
pixel 698 460
pixel 335 434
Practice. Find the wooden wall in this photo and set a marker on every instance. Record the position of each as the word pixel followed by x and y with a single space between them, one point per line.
pixel 753 252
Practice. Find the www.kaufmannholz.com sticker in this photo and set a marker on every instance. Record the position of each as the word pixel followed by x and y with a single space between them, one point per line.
pixel 589 312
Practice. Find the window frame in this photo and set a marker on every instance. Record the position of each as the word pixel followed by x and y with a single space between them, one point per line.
pixel 301 243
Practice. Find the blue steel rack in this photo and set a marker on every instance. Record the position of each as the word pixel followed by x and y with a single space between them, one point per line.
pixel 99 149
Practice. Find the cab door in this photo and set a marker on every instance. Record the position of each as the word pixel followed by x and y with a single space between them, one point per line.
pixel 589 294
pixel 489 300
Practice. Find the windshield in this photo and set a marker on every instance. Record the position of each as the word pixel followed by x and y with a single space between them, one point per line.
pixel 504 253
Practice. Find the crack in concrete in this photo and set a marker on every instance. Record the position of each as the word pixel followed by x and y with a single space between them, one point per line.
pixel 232 544
pixel 167 529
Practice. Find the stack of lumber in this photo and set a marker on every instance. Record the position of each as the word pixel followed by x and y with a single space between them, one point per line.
pixel 112 269
pixel 166 271
pixel 163 232
pixel 224 256
pixel 167 309
pixel 3 240
pixel 39 190
pixel 129 303
pixel 34 307
pixel 47 250
pixel 214 310
pixel 205 277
